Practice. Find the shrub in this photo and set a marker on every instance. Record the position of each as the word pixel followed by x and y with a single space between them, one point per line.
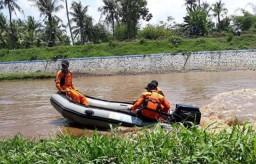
pixel 3 52
pixel 230 37
pixel 176 41
pixel 154 32
pixel 111 44
pixel 142 41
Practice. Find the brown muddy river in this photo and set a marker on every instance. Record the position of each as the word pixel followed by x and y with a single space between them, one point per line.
pixel 25 105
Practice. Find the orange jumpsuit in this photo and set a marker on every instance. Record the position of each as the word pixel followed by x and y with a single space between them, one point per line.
pixel 165 105
pixel 64 83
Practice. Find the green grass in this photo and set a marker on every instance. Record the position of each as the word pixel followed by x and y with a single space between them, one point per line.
pixel 22 76
pixel 131 48
pixel 172 45
pixel 154 145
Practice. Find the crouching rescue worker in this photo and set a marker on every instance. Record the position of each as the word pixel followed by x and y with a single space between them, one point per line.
pixel 153 104
pixel 158 90
pixel 64 84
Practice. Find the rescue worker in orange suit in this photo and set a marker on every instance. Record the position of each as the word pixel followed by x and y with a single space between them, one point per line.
pixel 158 90
pixel 64 84
pixel 153 104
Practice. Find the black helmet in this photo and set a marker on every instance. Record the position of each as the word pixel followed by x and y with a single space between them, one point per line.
pixel 64 63
pixel 151 86
pixel 154 81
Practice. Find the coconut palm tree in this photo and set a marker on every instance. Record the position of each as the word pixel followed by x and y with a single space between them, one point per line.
pixel 3 22
pixel 57 28
pixel 33 27
pixel 3 31
pixel 82 20
pixel 1 4
pixel 199 3
pixel 110 9
pixel 218 10
pixel 190 3
pixel 48 8
pixel 12 5
pixel 70 30
pixel 99 33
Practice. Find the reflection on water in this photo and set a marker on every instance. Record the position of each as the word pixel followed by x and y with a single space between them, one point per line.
pixel 25 105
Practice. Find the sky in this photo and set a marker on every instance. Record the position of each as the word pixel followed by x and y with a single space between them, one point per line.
pixel 160 9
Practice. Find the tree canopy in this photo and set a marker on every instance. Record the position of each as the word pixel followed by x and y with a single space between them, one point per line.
pixel 121 21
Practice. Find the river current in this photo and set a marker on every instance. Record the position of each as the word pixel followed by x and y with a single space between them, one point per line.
pixel 25 106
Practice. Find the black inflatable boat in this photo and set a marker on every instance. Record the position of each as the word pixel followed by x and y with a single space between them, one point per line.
pixel 103 113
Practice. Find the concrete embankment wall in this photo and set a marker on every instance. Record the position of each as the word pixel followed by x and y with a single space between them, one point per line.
pixel 229 60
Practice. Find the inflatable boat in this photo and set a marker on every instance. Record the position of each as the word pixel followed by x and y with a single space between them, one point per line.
pixel 104 113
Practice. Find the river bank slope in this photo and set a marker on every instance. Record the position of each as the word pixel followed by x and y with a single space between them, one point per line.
pixel 135 57
pixel 229 60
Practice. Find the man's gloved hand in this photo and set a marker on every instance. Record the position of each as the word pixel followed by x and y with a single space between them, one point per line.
pixel 132 111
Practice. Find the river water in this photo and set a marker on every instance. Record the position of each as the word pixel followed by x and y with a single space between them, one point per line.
pixel 222 96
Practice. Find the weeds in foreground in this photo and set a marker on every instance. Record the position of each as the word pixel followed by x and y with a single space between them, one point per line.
pixel 155 145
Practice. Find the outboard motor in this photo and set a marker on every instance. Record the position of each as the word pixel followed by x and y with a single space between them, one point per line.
pixel 187 113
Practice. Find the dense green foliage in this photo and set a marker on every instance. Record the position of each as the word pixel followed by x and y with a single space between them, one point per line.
pixel 120 20
pixel 155 145
pixel 142 46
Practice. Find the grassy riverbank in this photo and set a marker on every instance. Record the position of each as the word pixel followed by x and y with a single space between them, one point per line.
pixel 176 145
pixel 23 76
pixel 171 45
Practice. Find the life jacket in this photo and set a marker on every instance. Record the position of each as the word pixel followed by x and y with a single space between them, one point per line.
pixel 66 79
pixel 152 108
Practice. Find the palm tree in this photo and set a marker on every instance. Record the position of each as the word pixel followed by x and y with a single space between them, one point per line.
pixel 99 33
pixel 196 22
pixel 70 30
pixel 11 5
pixel 190 3
pixel 19 28
pixel 218 10
pixel 3 23
pixel 199 3
pixel 57 28
pixel 1 4
pixel 33 27
pixel 111 11
pixel 81 19
pixel 3 31
pixel 48 8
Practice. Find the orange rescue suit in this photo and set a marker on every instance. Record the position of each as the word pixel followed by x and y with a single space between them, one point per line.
pixel 152 113
pixel 64 83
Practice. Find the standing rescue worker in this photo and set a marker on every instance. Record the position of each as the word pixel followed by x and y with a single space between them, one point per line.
pixel 153 104
pixel 158 90
pixel 64 84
